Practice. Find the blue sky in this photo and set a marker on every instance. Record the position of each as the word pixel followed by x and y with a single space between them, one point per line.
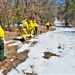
pixel 59 1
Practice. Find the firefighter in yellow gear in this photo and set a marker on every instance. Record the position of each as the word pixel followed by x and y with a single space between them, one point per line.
pixel 36 27
pixel 31 28
pixel 2 57
pixel 24 29
pixel 48 24
pixel 23 33
pixel 23 26
pixel 25 23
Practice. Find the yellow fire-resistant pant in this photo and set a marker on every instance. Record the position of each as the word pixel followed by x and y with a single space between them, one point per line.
pixel 31 32
pixel 23 32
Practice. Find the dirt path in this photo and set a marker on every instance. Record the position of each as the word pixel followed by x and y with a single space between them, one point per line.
pixel 14 58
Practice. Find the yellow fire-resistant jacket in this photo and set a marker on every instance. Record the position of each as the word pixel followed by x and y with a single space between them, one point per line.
pixel 25 24
pixel 47 24
pixel 23 32
pixel 1 32
pixel 31 25
pixel 35 24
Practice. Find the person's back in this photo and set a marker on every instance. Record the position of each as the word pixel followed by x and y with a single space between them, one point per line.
pixel 47 24
pixel 25 24
pixel 32 24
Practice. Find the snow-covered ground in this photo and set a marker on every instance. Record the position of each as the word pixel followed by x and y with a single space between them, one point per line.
pixel 59 23
pixel 49 42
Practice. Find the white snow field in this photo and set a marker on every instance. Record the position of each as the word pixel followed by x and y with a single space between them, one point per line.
pixel 49 42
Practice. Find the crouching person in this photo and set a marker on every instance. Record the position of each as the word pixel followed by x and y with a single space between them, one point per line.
pixel 23 31
pixel 2 41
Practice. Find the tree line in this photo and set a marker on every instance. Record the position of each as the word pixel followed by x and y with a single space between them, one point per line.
pixel 12 11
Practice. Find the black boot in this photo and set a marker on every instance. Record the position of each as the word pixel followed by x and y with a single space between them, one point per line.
pixel 29 37
pixel 22 39
pixel 3 58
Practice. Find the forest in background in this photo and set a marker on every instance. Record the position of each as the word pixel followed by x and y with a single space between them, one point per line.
pixel 12 11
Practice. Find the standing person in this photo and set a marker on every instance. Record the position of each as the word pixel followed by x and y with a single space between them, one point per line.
pixel 2 41
pixel 36 26
pixel 47 25
pixel 31 26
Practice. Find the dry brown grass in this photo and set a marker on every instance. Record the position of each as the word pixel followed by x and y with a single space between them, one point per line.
pixel 11 34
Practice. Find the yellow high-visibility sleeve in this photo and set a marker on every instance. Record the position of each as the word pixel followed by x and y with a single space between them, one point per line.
pixel 1 32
